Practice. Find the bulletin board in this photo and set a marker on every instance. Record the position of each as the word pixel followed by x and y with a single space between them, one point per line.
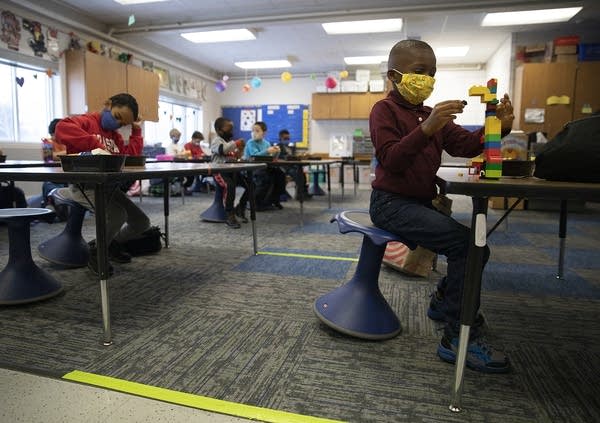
pixel 293 117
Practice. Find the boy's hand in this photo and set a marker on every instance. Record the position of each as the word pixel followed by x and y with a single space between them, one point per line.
pixel 441 114
pixel 505 112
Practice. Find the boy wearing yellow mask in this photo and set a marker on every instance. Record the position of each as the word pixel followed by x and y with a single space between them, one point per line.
pixel 409 139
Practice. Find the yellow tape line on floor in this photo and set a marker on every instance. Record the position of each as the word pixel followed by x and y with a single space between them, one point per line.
pixel 191 400
pixel 309 256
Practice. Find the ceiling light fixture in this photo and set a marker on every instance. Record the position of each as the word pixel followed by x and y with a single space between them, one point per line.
pixel 526 17
pixel 365 60
pixel 458 51
pixel 363 27
pixel 264 64
pixel 127 2
pixel 220 36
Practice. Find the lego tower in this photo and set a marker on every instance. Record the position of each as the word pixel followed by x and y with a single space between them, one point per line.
pixel 492 162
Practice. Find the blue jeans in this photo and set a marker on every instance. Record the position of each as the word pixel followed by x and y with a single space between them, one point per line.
pixel 419 223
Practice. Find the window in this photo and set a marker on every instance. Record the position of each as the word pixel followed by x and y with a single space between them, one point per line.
pixel 28 103
pixel 186 119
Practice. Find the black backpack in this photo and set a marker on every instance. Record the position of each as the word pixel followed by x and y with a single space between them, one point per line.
pixel 11 197
pixel 573 155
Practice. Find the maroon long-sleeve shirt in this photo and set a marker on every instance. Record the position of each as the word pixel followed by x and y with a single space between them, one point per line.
pixel 408 160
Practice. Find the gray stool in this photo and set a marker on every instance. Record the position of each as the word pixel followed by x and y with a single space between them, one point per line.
pixel 22 281
pixel 68 248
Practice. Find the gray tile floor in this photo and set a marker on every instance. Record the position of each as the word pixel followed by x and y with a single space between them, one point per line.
pixel 25 397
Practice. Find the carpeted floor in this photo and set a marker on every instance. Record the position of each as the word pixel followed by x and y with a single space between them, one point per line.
pixel 207 317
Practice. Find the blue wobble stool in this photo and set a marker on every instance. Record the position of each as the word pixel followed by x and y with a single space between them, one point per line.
pixel 358 308
pixel 68 248
pixel 22 281
pixel 315 189
pixel 216 211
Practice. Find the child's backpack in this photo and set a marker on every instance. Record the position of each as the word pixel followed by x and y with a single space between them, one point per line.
pixel 11 197
pixel 573 154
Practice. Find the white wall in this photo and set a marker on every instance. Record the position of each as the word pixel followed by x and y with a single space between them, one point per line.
pixel 500 66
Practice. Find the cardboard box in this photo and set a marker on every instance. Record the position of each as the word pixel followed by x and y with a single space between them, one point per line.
pixel 498 203
pixel 566 58
pixel 570 49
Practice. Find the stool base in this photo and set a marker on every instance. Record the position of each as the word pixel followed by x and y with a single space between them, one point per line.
pixel 355 311
pixel 21 284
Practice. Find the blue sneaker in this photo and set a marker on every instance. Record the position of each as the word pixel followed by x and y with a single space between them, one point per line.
pixel 434 312
pixel 480 355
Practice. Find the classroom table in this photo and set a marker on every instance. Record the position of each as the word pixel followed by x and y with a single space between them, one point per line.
pixel 479 190
pixel 105 182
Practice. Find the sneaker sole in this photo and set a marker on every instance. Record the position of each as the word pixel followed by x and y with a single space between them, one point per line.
pixel 450 357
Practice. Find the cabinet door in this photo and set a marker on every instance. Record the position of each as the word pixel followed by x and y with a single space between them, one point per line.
pixel 340 106
pixel 360 106
pixel 587 88
pixel 320 106
pixel 144 86
pixel 104 78
pixel 540 81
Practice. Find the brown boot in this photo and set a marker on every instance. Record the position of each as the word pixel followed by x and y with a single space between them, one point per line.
pixel 232 221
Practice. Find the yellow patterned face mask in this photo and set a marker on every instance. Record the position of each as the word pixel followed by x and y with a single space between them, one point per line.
pixel 414 87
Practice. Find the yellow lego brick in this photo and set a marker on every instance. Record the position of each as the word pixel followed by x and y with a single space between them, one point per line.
pixel 492 125
pixel 483 92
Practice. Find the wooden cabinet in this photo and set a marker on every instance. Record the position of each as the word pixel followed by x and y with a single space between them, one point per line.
pixel 144 86
pixel 92 79
pixel 343 106
pixel 535 82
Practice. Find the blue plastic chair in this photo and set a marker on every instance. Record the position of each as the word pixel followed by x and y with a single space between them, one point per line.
pixel 68 248
pixel 358 308
pixel 216 211
pixel 22 281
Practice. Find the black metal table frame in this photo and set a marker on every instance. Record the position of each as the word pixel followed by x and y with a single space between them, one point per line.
pixel 479 190
pixel 104 182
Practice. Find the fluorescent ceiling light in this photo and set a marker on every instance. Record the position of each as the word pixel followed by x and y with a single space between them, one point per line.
pixel 363 27
pixel 459 51
pixel 264 64
pixel 526 17
pixel 365 60
pixel 137 1
pixel 220 36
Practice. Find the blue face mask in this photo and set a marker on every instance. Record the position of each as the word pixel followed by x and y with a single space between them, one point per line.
pixel 108 121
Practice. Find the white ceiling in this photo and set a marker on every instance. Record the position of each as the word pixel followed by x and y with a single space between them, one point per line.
pixel 291 28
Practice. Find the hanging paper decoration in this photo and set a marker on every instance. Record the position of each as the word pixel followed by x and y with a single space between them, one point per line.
pixel 36 42
pixel 53 47
pixel 286 76
pixel 220 86
pixel 344 74
pixel 225 78
pixel 246 88
pixel 313 76
pixel 331 82
pixel 20 81
pixel 49 72
pixel 256 82
pixel 11 30
pixel 131 20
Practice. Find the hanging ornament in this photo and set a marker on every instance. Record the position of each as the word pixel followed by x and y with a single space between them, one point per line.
pixel 331 82
pixel 49 72
pixel 286 76
pixel 220 86
pixel 35 76
pixel 313 76
pixel 344 74
pixel 20 81
pixel 225 78
pixel 256 82
pixel 246 88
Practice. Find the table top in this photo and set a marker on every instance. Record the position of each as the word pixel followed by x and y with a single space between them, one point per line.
pixel 28 163
pixel 529 187
pixel 151 170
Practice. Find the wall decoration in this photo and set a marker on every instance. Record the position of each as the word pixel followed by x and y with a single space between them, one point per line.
pixel 36 42
pixel 11 30
pixel 247 119
pixel 163 76
pixel 53 47
pixel 20 81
